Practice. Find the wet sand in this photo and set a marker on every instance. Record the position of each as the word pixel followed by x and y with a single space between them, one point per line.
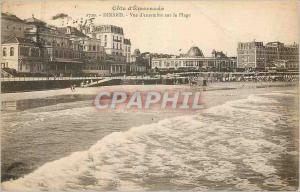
pixel 95 90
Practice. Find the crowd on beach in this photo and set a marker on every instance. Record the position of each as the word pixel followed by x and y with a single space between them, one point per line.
pixel 263 78
pixel 197 80
pixel 247 78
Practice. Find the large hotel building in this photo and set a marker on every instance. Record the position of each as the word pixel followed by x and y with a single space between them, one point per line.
pixel 116 46
pixel 195 60
pixel 33 46
pixel 39 49
pixel 273 54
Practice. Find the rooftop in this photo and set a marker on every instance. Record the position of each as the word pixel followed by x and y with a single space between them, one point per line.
pixel 218 54
pixel 19 40
pixel 109 29
pixel 71 31
pixel 127 41
pixel 136 52
pixel 35 21
pixel 274 44
pixel 11 17
pixel 194 52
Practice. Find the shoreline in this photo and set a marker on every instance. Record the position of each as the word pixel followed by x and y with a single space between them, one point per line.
pixel 94 90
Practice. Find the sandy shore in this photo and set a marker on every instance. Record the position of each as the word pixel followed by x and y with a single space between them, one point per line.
pixel 95 90
pixel 85 91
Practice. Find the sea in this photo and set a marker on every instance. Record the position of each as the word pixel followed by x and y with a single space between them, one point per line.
pixel 244 139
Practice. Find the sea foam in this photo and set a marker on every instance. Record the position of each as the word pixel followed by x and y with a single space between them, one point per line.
pixel 221 145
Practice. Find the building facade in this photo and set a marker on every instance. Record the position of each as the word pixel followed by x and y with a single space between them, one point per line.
pixel 65 55
pixel 256 55
pixel 67 50
pixel 112 39
pixel 94 55
pixel 138 63
pixel 127 50
pixel 251 55
pixel 23 55
pixel 277 52
pixel 195 60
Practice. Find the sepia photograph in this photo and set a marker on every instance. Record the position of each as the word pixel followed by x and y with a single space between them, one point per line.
pixel 157 96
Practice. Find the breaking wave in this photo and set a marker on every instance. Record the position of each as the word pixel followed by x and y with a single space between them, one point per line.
pixel 219 148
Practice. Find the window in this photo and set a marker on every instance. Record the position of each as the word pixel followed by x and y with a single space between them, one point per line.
pixel 94 48
pixel 60 54
pixel 4 51
pixel 11 52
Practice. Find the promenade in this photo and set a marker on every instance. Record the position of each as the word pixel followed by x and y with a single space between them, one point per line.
pixel 4 79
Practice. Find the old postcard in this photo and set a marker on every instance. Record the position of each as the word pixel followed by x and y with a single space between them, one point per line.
pixel 149 95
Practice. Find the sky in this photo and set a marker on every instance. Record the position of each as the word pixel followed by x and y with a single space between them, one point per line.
pixel 216 24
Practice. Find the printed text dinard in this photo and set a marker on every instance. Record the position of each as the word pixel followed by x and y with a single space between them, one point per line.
pixel 141 12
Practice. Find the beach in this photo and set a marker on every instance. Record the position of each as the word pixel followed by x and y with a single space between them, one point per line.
pixel 245 138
